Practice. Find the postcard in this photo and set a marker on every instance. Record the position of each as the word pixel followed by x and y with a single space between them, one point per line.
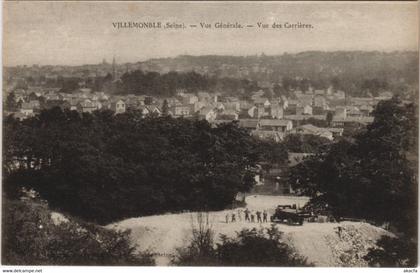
pixel 244 134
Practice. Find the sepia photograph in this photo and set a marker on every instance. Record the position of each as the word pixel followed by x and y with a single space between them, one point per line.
pixel 210 134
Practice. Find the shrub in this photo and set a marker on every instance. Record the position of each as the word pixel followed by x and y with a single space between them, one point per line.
pixel 31 237
pixel 250 247
pixel 393 252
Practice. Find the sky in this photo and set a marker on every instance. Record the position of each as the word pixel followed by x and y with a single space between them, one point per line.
pixel 74 33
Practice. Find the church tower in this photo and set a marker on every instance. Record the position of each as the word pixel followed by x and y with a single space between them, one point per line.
pixel 113 69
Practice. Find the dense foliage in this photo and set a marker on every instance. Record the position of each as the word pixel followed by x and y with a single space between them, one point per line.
pixel 393 252
pixel 30 236
pixel 357 73
pixel 153 83
pixel 372 176
pixel 250 247
pixel 104 167
pixel 298 143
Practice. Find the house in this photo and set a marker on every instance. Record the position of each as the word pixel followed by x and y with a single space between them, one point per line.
pixel 85 90
pixel 339 94
pixel 341 122
pixel 275 136
pixel 250 124
pixel 304 110
pixel 264 102
pixel 53 96
pixel 188 98
pixel 257 94
pixel 20 116
pixel 320 101
pixel 181 110
pixel 306 100
pixel 252 112
pixel 276 111
pixel 172 101
pixel 245 105
pixel 229 114
pixel 118 106
pixel 219 106
pixel 155 109
pixel 87 106
pixel 207 113
pixel 73 104
pixel 298 119
pixel 143 110
pixel 35 104
pixel 261 111
pixel 279 125
pixel 27 109
pixel 298 93
pixel 309 129
pixel 340 112
pixel 203 96
pixel 336 132
pixel 284 101
pixel 353 111
pixel 232 105
pixel 366 110
pixel 199 105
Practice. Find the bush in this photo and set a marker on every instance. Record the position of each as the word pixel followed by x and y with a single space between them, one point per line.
pixel 32 238
pixel 250 247
pixel 393 252
pixel 200 251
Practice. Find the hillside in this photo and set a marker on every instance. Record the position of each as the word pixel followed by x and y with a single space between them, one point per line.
pixel 310 64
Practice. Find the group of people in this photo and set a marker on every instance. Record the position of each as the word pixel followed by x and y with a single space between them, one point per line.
pixel 247 215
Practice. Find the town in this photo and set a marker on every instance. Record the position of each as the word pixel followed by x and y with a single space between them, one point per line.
pixel 325 112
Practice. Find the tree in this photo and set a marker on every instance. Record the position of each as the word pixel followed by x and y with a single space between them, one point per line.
pixel 165 108
pixel 298 143
pixel 393 252
pixel 371 176
pixel 329 118
pixel 81 162
pixel 70 84
pixel 11 104
pixel 31 237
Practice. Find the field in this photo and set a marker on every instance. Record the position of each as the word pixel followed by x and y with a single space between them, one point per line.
pixel 319 242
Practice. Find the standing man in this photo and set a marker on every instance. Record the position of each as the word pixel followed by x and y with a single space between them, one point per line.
pixel 233 217
pixel 227 218
pixel 240 215
pixel 247 215
pixel 265 216
pixel 259 216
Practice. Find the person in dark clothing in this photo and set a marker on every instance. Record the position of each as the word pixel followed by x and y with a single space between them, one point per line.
pixel 247 215
pixel 233 217
pixel 259 216
pixel 252 218
pixel 265 216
